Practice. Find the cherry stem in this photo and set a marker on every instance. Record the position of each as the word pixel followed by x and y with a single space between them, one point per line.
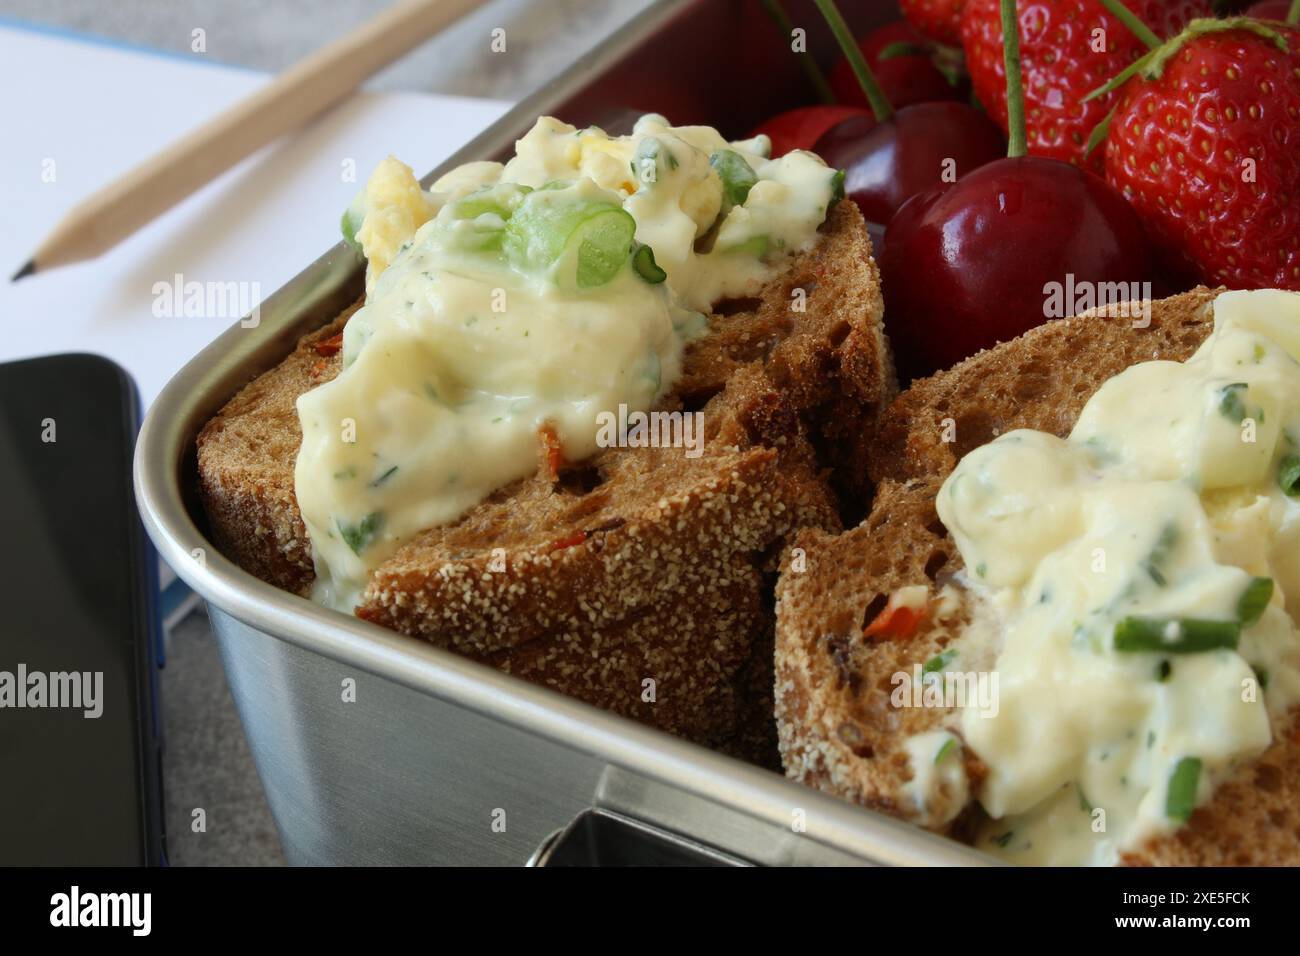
pixel 1293 15
pixel 1131 20
pixel 810 68
pixel 879 103
pixel 1016 144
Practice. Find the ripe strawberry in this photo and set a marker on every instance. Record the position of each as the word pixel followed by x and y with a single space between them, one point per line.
pixel 938 19
pixel 1060 65
pixel 1205 144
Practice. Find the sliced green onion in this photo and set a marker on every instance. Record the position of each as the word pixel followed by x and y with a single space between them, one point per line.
pixel 737 175
pixel 1254 600
pixel 499 201
pixel 755 245
pixel 643 261
pixel 1180 798
pixel 837 185
pixel 946 749
pixel 603 245
pixel 1175 635
pixel 359 536
pixel 939 661
pixel 349 224
pixel 1288 475
pixel 584 242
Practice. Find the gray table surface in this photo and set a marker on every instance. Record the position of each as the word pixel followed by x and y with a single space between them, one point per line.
pixel 207 764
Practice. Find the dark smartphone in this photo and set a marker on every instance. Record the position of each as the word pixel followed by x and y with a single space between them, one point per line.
pixel 80 645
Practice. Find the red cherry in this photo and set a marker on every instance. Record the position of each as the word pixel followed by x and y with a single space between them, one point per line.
pixel 1269 10
pixel 966 267
pixel 888 163
pixel 906 79
pixel 801 128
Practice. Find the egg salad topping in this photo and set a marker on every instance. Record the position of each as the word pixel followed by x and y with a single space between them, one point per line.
pixel 517 301
pixel 1144 575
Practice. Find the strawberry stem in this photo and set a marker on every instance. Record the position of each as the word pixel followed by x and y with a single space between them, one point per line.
pixel 1293 15
pixel 810 68
pixel 876 98
pixel 1130 20
pixel 1016 143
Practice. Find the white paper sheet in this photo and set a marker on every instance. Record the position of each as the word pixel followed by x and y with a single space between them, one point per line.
pixel 80 113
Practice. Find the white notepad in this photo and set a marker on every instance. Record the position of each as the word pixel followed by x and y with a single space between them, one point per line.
pixel 80 112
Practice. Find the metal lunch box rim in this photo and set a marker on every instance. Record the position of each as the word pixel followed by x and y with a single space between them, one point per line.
pixel 162 445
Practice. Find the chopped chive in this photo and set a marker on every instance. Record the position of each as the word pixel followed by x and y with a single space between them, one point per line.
pixel 1261 675
pixel 981 569
pixel 1180 799
pixel 1160 554
pixel 939 661
pixel 1175 635
pixel 643 261
pixel 1230 401
pixel 384 477
pixel 1163 670
pixel 1254 600
pixel 359 536
pixel 1005 838
pixel 1084 804
pixel 946 749
pixel 1151 738
pixel 1288 475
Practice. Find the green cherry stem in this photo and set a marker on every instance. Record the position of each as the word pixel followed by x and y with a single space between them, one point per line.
pixel 1016 144
pixel 879 103
pixel 1293 15
pixel 1131 20
pixel 809 66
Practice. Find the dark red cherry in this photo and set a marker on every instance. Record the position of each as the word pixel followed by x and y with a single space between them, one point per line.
pixel 920 147
pixel 901 60
pixel 1268 10
pixel 801 128
pixel 970 266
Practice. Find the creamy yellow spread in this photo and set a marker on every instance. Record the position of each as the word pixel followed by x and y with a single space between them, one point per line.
pixel 1139 585
pixel 534 295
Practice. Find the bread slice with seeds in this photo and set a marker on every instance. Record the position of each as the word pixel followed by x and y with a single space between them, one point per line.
pixel 837 728
pixel 638 564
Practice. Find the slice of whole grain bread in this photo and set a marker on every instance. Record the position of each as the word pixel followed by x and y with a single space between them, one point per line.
pixel 639 564
pixel 837 728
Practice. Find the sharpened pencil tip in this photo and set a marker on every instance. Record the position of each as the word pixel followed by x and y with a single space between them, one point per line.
pixel 25 271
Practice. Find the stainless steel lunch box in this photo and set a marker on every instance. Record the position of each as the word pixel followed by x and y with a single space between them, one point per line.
pixel 439 760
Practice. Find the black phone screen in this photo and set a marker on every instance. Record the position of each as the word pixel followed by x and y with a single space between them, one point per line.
pixel 79 775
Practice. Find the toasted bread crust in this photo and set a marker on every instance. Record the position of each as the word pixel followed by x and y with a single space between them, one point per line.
pixel 245 463
pixel 836 726
pixel 638 564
